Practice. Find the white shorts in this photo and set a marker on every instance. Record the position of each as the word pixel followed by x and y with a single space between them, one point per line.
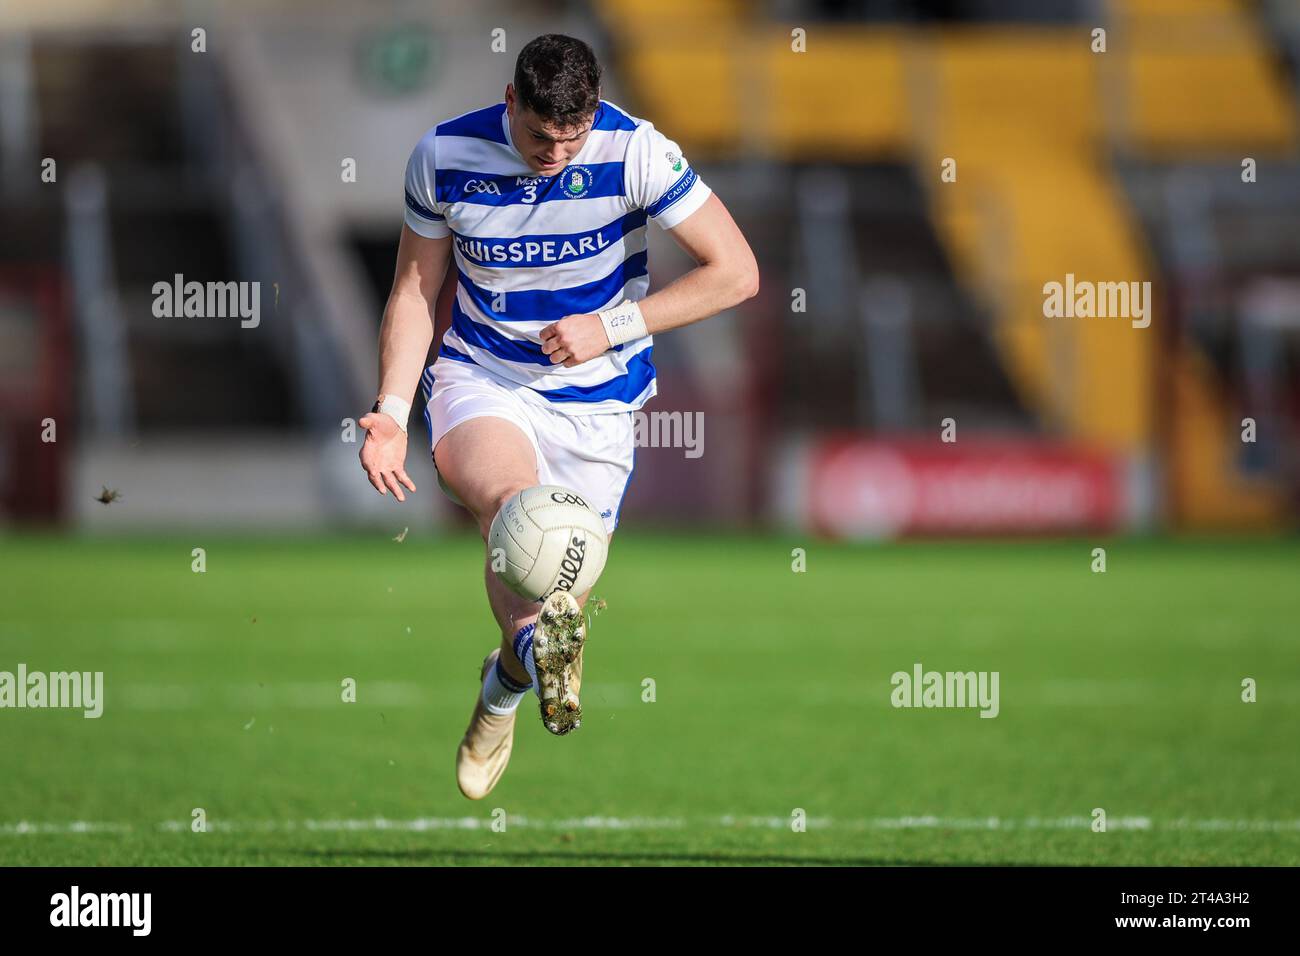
pixel 592 454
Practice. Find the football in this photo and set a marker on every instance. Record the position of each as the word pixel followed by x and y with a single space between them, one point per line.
pixel 547 538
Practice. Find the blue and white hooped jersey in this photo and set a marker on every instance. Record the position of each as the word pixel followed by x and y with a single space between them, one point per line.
pixel 532 249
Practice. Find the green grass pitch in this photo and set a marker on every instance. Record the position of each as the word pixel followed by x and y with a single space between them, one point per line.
pixel 223 692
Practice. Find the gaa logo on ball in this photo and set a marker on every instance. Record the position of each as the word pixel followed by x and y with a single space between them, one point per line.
pixel 552 540
pixel 567 498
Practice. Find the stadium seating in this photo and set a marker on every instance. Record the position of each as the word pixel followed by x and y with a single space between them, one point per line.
pixel 1038 117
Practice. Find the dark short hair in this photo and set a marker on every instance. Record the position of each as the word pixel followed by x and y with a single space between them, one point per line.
pixel 558 78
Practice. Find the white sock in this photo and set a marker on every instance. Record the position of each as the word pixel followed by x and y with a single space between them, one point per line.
pixel 501 693
pixel 523 645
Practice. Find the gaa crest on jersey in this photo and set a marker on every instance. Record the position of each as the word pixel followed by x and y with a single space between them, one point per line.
pixel 576 181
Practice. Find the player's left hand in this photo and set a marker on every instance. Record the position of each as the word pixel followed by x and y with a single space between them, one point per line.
pixel 574 339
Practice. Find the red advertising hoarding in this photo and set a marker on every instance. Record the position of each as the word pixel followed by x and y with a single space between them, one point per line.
pixel 867 488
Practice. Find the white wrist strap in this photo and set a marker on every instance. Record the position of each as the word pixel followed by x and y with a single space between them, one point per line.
pixel 623 323
pixel 398 408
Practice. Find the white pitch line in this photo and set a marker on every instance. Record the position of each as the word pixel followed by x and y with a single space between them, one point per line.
pixel 422 824
pixel 25 828
pixel 249 697
pixel 428 824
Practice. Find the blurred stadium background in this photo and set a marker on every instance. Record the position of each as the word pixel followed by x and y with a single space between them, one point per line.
pixel 921 299
pixel 892 301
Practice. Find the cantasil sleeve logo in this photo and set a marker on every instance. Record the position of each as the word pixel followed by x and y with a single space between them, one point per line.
pixel 576 181
pixel 674 161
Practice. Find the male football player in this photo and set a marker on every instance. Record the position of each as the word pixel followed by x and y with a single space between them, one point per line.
pixel 544 201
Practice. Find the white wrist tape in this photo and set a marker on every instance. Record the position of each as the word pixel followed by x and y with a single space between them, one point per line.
pixel 623 323
pixel 398 408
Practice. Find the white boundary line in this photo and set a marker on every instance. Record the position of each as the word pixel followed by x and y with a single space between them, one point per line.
pixel 426 824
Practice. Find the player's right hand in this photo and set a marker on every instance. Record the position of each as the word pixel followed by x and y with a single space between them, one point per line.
pixel 383 454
